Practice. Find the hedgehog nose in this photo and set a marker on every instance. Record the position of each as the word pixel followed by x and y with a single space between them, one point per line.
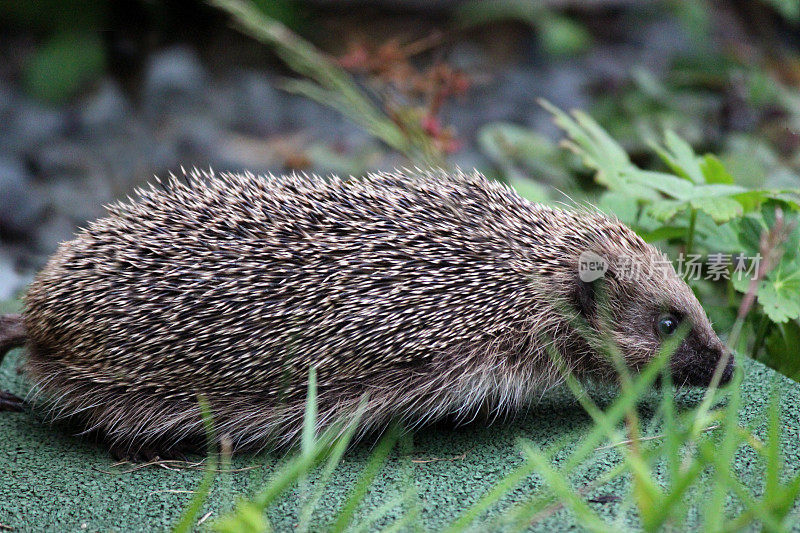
pixel 713 359
pixel 698 371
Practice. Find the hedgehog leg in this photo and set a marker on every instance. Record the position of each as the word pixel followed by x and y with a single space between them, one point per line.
pixel 12 335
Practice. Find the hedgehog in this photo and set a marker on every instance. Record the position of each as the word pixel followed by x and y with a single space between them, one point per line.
pixel 415 295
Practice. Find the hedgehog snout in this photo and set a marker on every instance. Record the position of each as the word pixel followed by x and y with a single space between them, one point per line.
pixel 697 367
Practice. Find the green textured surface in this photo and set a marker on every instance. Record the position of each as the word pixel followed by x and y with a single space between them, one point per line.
pixel 50 480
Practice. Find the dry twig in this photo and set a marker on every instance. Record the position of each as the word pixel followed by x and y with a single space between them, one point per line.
pixel 641 439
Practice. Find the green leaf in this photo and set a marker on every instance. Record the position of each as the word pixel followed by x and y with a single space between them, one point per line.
pixel 664 233
pixel 563 36
pixel 791 198
pixel 591 143
pixel 621 205
pixel 606 144
pixel 666 184
pixel 529 189
pixel 665 210
pixel 714 171
pixel 740 283
pixel 750 200
pixel 781 299
pixel 508 145
pixel 750 229
pixel 717 190
pixel 679 157
pixel 789 9
pixel 781 349
pixel 719 209
pixel 719 237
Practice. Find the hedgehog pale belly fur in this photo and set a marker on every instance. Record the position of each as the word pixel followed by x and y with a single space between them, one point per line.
pixel 428 294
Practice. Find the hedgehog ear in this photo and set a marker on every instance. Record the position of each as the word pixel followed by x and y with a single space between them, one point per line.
pixel 588 292
pixel 584 298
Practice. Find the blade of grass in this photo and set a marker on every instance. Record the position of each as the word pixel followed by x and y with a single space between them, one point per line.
pixel 524 514
pixel 332 442
pixel 646 490
pixel 310 415
pixel 366 523
pixel 562 489
pixel 332 83
pixel 620 406
pixel 772 453
pixel 359 491
pixel 188 520
pixel 334 459
pixel 758 510
pixel 726 449
pixel 500 489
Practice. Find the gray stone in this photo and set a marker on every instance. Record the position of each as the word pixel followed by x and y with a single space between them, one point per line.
pixel 259 108
pixel 440 6
pixel 11 281
pixel 34 124
pixel 20 205
pixel 80 199
pixel 565 86
pixel 104 109
pixel 507 98
pixel 522 85
pixel 610 62
pixel 173 78
pixel 468 159
pixel 662 40
pixel 304 114
pixel 55 230
pixel 60 160
pixel 194 134
pixel 8 99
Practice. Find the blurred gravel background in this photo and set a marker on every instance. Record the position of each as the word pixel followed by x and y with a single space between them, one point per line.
pixel 181 88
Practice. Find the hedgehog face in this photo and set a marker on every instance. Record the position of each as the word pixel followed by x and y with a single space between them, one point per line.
pixel 639 314
pixel 649 317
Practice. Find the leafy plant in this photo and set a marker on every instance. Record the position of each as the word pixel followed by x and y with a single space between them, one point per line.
pixel 329 84
pixel 696 202
pixel 520 153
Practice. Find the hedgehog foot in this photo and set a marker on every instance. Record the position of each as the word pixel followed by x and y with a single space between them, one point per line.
pixel 9 402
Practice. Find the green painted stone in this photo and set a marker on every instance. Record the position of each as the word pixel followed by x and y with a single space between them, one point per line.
pixel 53 481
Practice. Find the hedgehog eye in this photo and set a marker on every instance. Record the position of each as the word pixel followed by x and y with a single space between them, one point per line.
pixel 666 324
